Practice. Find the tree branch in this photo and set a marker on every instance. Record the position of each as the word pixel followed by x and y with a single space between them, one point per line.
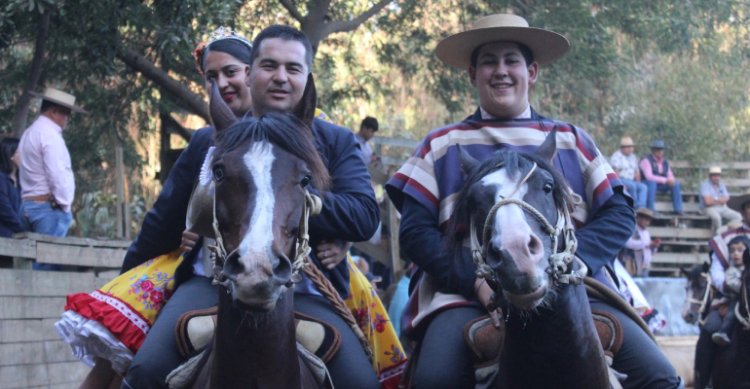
pixel 292 10
pixel 182 95
pixel 350 25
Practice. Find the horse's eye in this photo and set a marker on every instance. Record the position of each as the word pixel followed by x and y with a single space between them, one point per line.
pixel 547 187
pixel 218 173
pixel 305 180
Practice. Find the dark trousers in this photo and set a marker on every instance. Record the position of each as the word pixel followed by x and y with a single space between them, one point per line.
pixel 639 357
pixel 350 367
pixel 159 354
pixel 445 361
pixel 715 323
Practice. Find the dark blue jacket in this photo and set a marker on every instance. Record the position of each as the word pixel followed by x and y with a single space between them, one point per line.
pixel 10 207
pixel 350 212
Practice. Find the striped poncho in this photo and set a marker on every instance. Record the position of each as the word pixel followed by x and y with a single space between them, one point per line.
pixel 433 177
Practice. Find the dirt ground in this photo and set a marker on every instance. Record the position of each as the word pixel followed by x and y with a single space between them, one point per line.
pixel 681 352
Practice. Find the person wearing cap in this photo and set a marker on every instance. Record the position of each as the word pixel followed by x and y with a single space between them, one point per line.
pixel 713 199
pixel 659 178
pixel 640 248
pixel 502 56
pixel 46 174
pixel 625 163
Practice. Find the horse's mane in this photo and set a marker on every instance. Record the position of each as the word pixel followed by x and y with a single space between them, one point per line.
pixel 283 130
pixel 515 163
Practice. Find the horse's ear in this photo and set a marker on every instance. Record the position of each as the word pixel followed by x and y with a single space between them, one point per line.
pixel 548 148
pixel 221 115
pixel 200 213
pixel 468 163
pixel 684 272
pixel 706 267
pixel 305 110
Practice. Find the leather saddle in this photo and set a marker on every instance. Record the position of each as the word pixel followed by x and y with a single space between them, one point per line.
pixel 195 329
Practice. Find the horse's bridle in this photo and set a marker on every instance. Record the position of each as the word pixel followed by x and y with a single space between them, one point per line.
pixel 558 261
pixel 704 300
pixel 302 249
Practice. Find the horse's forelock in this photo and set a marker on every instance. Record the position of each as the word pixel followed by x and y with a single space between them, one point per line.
pixel 282 130
pixel 514 164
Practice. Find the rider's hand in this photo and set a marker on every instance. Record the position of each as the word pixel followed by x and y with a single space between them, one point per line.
pixel 188 241
pixel 331 253
pixel 484 294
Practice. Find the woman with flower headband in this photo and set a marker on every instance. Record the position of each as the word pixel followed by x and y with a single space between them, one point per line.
pixel 108 326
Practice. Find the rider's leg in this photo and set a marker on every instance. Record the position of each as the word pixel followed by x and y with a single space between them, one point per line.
pixel 728 323
pixel 159 354
pixel 445 361
pixel 350 367
pixel 704 359
pixel 640 357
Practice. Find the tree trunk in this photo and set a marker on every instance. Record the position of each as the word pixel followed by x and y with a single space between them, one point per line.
pixel 22 111
pixel 183 96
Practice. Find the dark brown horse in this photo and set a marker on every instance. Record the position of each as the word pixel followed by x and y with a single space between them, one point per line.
pixel 725 367
pixel 259 174
pixel 517 207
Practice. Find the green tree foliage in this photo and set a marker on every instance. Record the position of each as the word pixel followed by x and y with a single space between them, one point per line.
pixel 645 68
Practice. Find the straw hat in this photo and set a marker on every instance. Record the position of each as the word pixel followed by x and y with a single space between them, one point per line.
pixel 714 170
pixel 61 98
pixel 645 212
pixel 545 45
pixel 626 141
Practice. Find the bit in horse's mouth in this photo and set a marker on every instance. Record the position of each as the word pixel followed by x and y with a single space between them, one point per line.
pixel 527 301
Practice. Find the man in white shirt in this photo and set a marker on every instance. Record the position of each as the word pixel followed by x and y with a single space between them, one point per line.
pixel 714 197
pixel 47 183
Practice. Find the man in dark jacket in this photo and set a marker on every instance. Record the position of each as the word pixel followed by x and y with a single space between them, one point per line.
pixel 281 65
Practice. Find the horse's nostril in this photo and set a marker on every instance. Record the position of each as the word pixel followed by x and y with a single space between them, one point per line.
pixel 535 245
pixel 282 270
pixel 232 264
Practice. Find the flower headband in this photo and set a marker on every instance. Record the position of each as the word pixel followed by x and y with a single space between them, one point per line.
pixel 220 33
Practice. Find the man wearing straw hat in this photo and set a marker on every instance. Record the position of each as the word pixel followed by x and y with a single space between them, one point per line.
pixel 502 55
pixel 47 181
pixel 625 164
pixel 714 197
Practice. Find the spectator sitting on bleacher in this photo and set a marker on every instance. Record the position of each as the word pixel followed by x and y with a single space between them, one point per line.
pixel 625 164
pixel 659 178
pixel 714 197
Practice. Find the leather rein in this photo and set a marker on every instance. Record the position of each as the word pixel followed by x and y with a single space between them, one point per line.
pixel 559 261
pixel 312 206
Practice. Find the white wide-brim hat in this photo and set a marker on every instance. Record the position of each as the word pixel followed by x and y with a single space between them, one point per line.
pixel 545 45
pixel 61 98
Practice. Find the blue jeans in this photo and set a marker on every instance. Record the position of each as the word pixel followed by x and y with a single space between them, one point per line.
pixel 637 190
pixel 676 190
pixel 40 217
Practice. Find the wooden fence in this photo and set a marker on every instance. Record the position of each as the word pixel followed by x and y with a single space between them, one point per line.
pixel 31 353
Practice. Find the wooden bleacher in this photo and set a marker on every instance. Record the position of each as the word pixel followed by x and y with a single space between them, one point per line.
pixel 684 238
